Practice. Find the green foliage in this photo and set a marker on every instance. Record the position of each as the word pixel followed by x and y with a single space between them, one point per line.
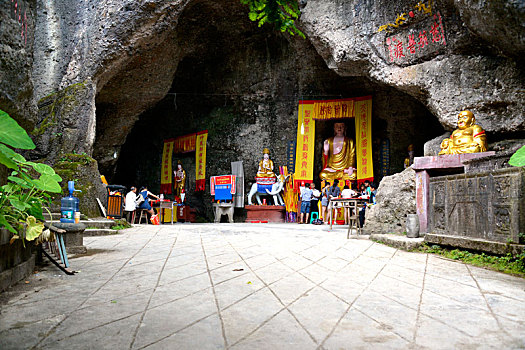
pixel 121 224
pixel 281 13
pixel 518 158
pixel 28 186
pixel 507 263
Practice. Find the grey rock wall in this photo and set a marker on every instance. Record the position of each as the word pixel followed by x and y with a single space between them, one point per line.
pixel 17 26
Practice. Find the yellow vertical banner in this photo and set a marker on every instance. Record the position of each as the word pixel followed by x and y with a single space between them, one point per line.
pixel 363 130
pixel 200 158
pixel 304 153
pixel 165 173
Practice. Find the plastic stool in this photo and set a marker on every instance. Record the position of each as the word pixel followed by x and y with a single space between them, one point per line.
pixel 314 216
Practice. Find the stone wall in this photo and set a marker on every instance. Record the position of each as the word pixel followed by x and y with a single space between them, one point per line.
pixel 16 260
pixel 484 205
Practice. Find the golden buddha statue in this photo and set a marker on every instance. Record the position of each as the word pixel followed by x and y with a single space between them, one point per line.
pixel 339 156
pixel 266 165
pixel 467 138
pixel 180 179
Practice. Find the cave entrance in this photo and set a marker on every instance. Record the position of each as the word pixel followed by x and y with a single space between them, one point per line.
pixel 218 71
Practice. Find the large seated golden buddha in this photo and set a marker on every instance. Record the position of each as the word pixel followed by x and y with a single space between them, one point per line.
pixel 339 156
pixel 467 138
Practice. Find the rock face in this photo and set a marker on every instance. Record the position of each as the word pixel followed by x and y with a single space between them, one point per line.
pixel 395 199
pixel 150 70
pixel 17 27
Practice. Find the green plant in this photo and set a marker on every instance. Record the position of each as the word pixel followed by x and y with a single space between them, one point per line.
pixel 518 158
pixel 281 13
pixel 121 224
pixel 28 186
pixel 507 263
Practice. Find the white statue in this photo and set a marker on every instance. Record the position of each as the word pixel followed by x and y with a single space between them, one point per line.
pixel 275 192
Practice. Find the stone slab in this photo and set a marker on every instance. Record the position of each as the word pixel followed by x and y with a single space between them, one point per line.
pixel 446 161
pixel 475 244
pixel 398 241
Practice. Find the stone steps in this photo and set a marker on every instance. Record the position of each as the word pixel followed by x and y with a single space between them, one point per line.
pixel 99 224
pixel 100 232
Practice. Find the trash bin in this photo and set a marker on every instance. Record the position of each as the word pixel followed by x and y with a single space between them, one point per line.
pixel 115 201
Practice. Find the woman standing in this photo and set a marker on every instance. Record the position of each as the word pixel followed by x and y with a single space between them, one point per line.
pixel 324 200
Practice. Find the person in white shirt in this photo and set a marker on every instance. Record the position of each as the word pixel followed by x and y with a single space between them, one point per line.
pixel 130 202
pixel 347 193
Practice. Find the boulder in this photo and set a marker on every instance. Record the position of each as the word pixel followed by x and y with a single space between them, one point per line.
pixel 396 197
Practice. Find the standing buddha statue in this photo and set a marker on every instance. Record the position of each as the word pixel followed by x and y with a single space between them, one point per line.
pixel 467 138
pixel 180 179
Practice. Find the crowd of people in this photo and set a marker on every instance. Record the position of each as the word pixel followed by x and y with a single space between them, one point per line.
pixel 310 198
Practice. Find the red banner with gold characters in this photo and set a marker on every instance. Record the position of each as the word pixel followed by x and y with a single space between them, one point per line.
pixel 200 157
pixel 184 144
pixel 334 109
pixel 363 131
pixel 304 153
pixel 166 178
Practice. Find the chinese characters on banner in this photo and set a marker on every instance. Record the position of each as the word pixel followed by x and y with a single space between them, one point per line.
pixel 165 180
pixel 200 158
pixel 418 41
pixel 363 131
pixel 304 156
pixel 184 144
pixel 290 155
pixel 334 109
pixel 385 157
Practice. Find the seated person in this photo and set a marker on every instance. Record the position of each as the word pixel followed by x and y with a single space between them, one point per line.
pixel 347 193
pixel 130 203
pixel 145 204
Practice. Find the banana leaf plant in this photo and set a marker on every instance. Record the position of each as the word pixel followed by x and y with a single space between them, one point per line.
pixel 28 186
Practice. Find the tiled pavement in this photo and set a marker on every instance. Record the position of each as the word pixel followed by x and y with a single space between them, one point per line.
pixel 260 286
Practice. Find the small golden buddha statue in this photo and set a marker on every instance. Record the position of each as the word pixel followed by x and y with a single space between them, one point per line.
pixel 410 159
pixel 180 179
pixel 339 156
pixel 266 165
pixel 467 138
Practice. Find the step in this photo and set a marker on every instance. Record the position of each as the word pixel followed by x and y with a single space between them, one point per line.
pixel 102 223
pixel 100 232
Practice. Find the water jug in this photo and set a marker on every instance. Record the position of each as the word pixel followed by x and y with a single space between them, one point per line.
pixel 69 205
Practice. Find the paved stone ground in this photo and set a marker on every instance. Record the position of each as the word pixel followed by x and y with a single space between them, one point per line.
pixel 260 286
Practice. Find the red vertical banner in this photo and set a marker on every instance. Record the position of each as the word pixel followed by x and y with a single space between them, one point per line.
pixel 165 173
pixel 200 160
